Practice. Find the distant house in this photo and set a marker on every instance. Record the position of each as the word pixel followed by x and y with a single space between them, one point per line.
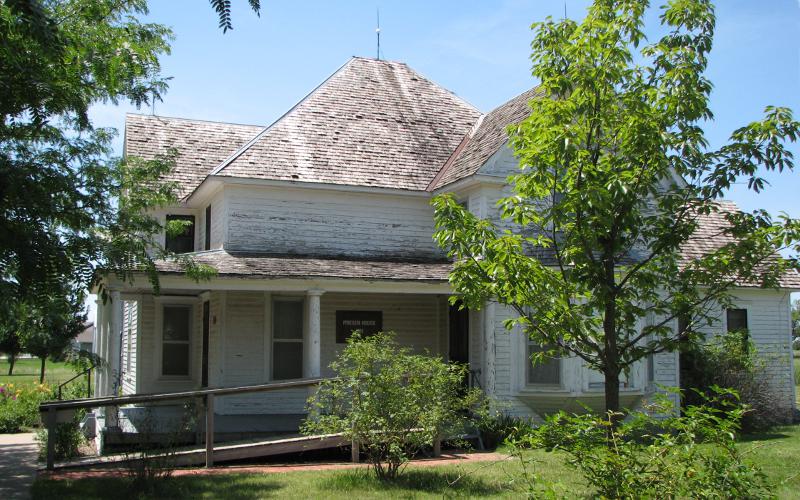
pixel 85 340
pixel 320 224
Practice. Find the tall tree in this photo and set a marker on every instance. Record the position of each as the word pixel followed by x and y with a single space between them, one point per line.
pixel 615 176
pixel 10 343
pixel 48 327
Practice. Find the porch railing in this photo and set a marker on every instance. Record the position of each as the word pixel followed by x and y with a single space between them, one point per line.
pixel 54 412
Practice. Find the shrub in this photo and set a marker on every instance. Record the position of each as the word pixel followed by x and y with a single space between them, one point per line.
pixel 731 361
pixel 393 403
pixel 68 436
pixel 19 406
pixel 688 456
pixel 496 429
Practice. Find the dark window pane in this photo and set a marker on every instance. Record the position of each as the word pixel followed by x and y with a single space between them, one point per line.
pixel 546 372
pixel 175 359
pixel 737 320
pixel 184 242
pixel 288 319
pixel 176 322
pixel 287 360
pixel 208 228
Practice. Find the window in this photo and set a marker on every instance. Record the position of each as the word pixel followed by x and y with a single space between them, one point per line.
pixel 287 339
pixel 546 372
pixel 737 320
pixel 651 369
pixel 183 242
pixel 207 245
pixel 175 335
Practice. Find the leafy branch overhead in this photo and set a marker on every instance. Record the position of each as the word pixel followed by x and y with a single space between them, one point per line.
pixel 223 9
pixel 615 230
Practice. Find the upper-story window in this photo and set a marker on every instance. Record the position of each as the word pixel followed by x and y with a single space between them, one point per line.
pixel 207 245
pixel 183 242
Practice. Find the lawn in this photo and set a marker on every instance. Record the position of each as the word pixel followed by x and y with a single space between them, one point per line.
pixel 777 453
pixel 26 371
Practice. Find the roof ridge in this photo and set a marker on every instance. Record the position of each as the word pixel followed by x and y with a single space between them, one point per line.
pixel 461 145
pixel 258 136
pixel 143 115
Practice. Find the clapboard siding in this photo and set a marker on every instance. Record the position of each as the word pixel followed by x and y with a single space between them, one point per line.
pixel 288 221
pixel 415 320
pixel 769 325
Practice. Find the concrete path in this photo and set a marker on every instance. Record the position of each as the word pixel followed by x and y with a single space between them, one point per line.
pixel 17 464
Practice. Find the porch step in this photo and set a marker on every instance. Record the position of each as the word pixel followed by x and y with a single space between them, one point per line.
pixel 222 453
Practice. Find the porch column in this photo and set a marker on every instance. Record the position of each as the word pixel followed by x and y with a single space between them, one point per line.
pixel 489 353
pixel 115 344
pixel 312 345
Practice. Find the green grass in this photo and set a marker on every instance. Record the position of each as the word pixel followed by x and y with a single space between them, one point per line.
pixel 776 452
pixel 26 371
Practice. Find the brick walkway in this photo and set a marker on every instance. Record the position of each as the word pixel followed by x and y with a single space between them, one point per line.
pixel 445 459
pixel 18 453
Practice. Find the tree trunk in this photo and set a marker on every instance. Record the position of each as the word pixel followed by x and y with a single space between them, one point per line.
pixel 12 358
pixel 41 371
pixel 612 392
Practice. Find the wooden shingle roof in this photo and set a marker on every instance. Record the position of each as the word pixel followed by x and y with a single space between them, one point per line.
pixel 712 234
pixel 201 145
pixel 265 266
pixel 372 123
pixel 484 140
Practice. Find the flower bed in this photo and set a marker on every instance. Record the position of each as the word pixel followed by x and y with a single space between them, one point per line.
pixel 19 406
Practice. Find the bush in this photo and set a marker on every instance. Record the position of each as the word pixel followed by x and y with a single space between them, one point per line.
pixel 68 435
pixel 393 403
pixel 19 406
pixel 689 456
pixel 731 361
pixel 496 429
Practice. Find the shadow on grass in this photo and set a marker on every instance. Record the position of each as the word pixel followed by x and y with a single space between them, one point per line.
pixel 429 481
pixel 762 436
pixel 214 486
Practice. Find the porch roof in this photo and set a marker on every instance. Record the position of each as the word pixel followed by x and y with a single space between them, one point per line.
pixel 254 265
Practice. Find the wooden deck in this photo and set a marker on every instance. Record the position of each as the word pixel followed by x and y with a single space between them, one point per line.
pixel 188 456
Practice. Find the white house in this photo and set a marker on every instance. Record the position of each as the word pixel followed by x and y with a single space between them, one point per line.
pixel 320 223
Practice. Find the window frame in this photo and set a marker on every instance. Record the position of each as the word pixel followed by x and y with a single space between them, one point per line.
pixel 274 340
pixel 192 236
pixel 190 303
pixel 528 366
pixel 728 311
pixel 207 236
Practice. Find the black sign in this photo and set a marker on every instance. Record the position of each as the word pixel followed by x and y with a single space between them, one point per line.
pixel 369 322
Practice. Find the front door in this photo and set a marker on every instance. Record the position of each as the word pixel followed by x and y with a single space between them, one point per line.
pixel 459 334
pixel 206 331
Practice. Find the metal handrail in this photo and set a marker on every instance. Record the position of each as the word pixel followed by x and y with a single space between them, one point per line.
pixel 88 372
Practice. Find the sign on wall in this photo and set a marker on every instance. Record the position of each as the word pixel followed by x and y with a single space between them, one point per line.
pixel 369 322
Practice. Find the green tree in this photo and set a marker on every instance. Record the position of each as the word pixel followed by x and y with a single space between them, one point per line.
pixel 48 327
pixel 615 175
pixel 10 344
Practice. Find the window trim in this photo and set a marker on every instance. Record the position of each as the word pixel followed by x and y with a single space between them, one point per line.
pixel 273 339
pixel 528 366
pixel 175 216
pixel 167 301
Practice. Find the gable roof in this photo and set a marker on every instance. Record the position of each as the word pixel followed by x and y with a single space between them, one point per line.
pixel 488 136
pixel 711 235
pixel 372 123
pixel 201 145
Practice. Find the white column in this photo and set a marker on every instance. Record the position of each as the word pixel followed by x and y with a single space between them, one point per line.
pixel 312 356
pixel 115 343
pixel 489 353
pixel 97 345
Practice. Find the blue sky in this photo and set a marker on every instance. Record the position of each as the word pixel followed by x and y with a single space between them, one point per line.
pixel 477 49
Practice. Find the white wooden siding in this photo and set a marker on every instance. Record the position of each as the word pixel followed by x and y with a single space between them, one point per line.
pixel 293 221
pixel 130 334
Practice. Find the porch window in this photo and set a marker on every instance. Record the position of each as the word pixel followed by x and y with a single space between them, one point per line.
pixel 287 339
pixel 207 245
pixel 183 242
pixel 176 330
pixel 547 372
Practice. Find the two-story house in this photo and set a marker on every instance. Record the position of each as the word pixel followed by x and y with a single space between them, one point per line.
pixel 320 224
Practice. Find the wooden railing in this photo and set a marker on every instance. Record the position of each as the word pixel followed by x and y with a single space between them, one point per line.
pixel 50 410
